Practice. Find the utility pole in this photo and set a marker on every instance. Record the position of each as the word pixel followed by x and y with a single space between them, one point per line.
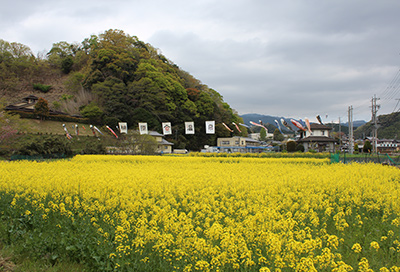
pixel 340 136
pixel 351 140
pixel 374 120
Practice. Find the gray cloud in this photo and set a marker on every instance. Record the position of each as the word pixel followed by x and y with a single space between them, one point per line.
pixel 286 58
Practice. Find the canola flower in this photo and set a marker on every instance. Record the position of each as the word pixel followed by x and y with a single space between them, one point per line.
pixel 161 213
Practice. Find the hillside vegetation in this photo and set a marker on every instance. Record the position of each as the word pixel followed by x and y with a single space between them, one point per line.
pixel 388 127
pixel 114 77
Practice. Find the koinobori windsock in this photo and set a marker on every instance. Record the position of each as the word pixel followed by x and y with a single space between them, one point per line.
pixel 112 131
pixel 237 127
pixel 66 131
pixel 297 124
pixel 286 125
pixel 93 130
pixel 278 126
pixel 308 125
pixel 259 125
pixel 228 128
pixel 98 130
pixel 319 119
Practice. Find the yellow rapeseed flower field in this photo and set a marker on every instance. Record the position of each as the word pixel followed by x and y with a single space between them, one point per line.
pixel 158 213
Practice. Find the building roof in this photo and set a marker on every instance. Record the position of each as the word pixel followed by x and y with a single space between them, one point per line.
pixel 165 142
pixel 241 137
pixel 30 97
pixel 252 140
pixel 316 139
pixel 315 126
pixel 155 133
pixel 388 140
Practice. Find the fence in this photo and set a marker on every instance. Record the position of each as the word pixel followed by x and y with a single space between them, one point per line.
pixel 365 158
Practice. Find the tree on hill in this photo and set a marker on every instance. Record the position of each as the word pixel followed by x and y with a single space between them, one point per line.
pixel 92 111
pixel 62 55
pixel 16 62
pixel 42 108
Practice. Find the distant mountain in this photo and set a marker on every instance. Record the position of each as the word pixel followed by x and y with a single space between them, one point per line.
pixel 356 124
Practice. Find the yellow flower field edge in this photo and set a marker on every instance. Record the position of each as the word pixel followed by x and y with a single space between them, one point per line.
pixel 319 155
pixel 157 213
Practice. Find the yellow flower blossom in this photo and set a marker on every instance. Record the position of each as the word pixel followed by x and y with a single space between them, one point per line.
pixel 356 248
pixel 374 245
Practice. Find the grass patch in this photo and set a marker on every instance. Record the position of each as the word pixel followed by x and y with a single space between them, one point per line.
pixel 55 127
pixel 12 259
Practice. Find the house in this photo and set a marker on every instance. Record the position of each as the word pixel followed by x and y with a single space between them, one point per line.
pixel 163 146
pixel 388 146
pixel 256 136
pixel 139 146
pixel 239 144
pixel 319 139
pixel 27 104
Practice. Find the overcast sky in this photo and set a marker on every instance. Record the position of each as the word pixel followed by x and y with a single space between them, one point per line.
pixel 291 58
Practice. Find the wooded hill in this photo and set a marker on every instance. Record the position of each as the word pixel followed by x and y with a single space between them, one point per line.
pixel 114 77
pixel 388 127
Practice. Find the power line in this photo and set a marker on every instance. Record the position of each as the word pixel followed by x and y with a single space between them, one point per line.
pixel 398 100
pixel 392 88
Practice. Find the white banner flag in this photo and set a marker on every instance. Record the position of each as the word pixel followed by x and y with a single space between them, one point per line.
pixel 210 127
pixel 189 127
pixel 123 127
pixel 143 128
pixel 167 129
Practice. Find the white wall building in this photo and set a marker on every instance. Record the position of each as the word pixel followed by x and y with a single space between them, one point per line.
pixel 319 139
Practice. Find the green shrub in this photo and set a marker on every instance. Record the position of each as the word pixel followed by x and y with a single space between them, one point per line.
pixel 41 87
pixel 94 148
pixel 44 145
pixel 291 146
pixel 300 148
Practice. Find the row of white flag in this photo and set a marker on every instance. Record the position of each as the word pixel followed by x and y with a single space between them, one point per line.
pixel 167 128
